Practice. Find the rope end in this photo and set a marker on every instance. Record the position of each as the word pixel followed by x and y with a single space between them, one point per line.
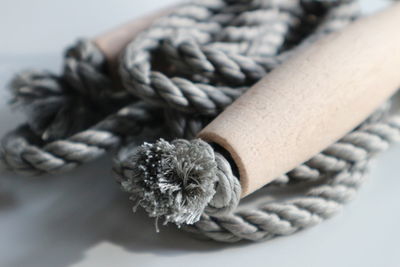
pixel 170 180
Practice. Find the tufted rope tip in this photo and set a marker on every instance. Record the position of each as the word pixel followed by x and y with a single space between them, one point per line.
pixel 170 180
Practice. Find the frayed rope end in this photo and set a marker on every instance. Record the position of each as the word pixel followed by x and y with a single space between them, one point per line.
pixel 170 180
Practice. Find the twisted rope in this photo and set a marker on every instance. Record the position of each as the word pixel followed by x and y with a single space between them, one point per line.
pixel 177 76
pixel 73 118
pixel 23 155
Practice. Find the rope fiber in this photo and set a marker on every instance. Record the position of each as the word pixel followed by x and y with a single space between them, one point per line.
pixel 177 76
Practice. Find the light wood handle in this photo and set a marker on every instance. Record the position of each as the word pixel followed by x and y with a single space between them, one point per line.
pixel 312 100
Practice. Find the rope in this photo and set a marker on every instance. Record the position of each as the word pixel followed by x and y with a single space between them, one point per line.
pixel 176 77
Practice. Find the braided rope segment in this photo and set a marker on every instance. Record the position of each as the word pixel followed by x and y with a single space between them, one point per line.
pixel 71 119
pixel 222 48
pixel 85 69
pixel 23 152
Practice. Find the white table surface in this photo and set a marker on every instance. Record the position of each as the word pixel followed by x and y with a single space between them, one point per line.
pixel 82 219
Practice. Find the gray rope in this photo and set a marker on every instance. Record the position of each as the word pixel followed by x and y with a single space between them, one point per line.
pixel 23 155
pixel 176 77
pixel 71 119
pixel 85 68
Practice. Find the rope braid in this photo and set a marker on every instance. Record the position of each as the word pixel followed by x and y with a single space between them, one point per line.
pixel 176 77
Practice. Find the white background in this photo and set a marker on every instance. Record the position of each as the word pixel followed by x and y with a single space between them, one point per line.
pixel 81 218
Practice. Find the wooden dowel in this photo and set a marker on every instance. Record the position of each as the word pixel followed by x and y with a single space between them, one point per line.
pixel 312 100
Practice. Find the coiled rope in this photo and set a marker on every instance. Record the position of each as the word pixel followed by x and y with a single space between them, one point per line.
pixel 176 77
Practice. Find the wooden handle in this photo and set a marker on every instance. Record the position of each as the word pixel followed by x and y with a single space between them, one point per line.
pixel 311 101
